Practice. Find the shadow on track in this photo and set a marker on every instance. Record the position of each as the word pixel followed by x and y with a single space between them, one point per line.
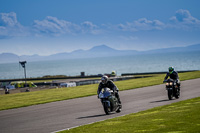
pixel 165 100
pixel 92 116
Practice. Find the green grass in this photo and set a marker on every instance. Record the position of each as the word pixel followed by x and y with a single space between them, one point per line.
pixel 45 96
pixel 180 117
pixel 50 80
pixel 155 80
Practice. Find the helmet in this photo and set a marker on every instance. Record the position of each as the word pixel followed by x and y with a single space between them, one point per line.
pixel 171 70
pixel 104 79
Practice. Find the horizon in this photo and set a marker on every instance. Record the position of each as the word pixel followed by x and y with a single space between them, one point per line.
pixel 103 45
pixel 48 27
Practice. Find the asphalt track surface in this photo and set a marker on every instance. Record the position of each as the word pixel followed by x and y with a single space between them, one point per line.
pixel 56 116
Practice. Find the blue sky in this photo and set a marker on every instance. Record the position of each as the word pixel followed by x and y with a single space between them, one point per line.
pixel 47 27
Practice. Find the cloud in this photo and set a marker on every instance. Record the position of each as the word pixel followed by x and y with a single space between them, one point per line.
pixel 141 25
pixel 89 27
pixel 8 19
pixel 52 25
pixel 183 19
pixel 10 27
pixel 129 38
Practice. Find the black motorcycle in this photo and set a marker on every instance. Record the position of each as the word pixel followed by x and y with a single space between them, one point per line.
pixel 7 91
pixel 109 101
pixel 172 89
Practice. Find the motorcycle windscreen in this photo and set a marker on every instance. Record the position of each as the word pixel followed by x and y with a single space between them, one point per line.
pixel 106 93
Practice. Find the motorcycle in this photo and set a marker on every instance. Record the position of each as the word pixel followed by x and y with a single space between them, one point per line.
pixel 7 91
pixel 172 89
pixel 109 101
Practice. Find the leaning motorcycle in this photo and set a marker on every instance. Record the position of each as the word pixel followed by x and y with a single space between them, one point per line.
pixel 172 89
pixel 109 101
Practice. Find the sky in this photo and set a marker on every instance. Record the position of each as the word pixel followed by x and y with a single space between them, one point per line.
pixel 46 27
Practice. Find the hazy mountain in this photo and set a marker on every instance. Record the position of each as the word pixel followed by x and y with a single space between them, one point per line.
pixel 8 58
pixel 97 51
pixel 190 48
pixel 103 51
pixel 34 57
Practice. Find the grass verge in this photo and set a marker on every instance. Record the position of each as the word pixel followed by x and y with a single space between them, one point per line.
pixel 51 95
pixel 180 117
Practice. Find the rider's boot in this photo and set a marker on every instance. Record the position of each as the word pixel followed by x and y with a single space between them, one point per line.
pixel 120 104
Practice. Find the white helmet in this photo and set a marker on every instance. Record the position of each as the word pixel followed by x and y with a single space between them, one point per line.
pixel 104 79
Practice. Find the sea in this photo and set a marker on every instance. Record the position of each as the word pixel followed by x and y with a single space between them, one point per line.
pixel 92 66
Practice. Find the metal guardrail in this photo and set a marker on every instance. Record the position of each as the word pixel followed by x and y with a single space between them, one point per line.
pixel 30 79
pixel 127 74
pixel 92 76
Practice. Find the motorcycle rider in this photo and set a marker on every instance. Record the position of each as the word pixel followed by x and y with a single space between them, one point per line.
pixel 6 90
pixel 173 75
pixel 105 82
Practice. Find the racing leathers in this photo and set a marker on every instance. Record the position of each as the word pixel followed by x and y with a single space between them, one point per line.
pixel 174 76
pixel 109 84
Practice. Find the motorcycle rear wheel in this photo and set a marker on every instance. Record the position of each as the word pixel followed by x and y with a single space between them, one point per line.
pixel 177 94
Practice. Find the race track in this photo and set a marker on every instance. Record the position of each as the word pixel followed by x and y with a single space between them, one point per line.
pixel 56 116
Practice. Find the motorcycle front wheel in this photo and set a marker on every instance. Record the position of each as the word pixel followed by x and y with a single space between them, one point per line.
pixel 106 108
pixel 170 94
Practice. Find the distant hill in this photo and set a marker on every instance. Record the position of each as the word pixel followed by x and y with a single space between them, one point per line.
pixel 190 48
pixel 8 58
pixel 97 51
